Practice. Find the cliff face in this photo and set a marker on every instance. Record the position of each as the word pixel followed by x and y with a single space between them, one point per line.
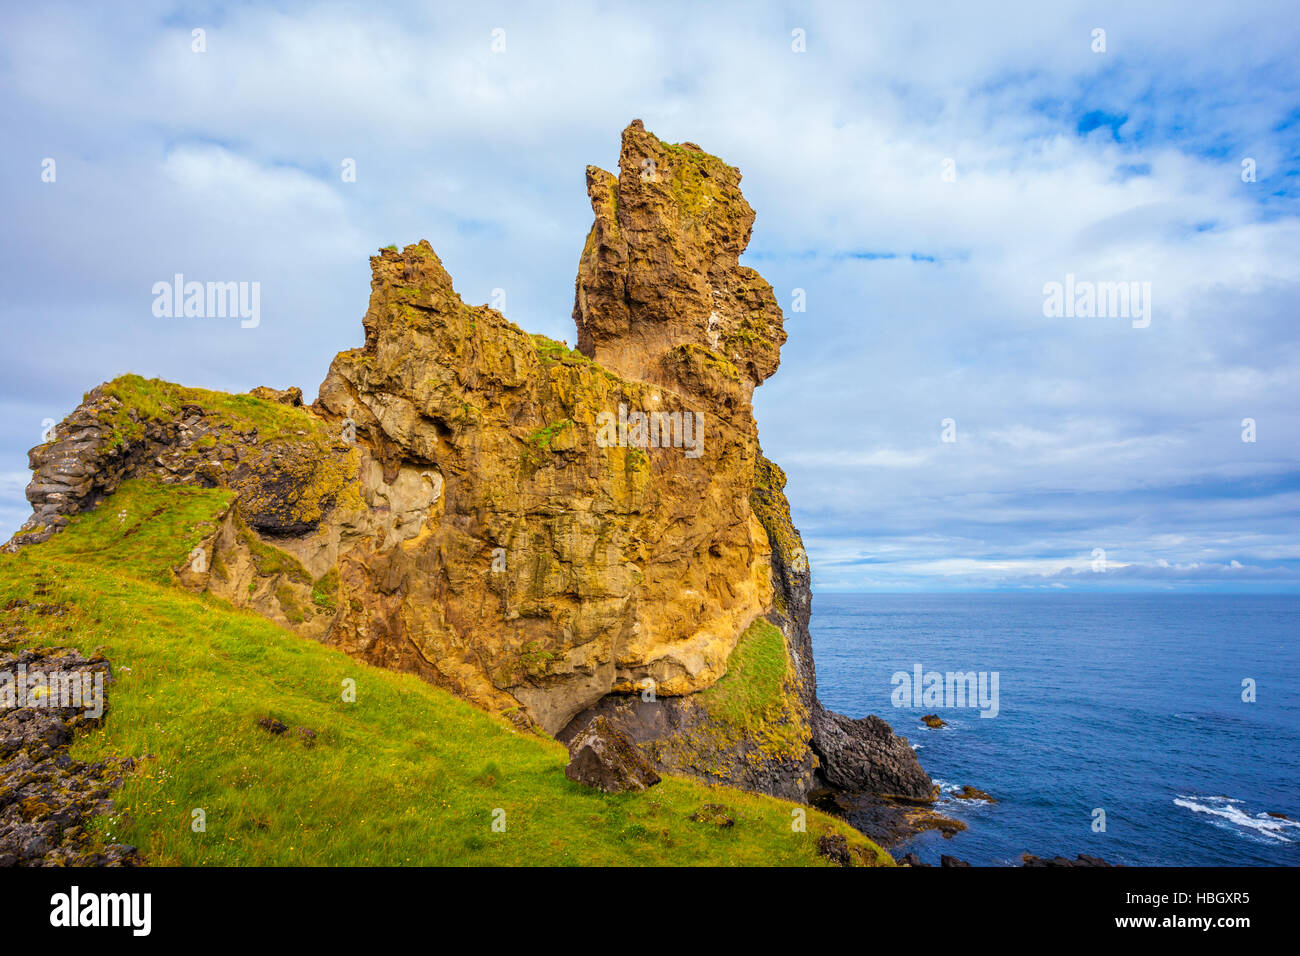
pixel 551 533
pixel 553 562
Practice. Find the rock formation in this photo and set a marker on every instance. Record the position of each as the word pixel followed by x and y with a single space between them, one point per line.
pixel 556 535
pixel 602 756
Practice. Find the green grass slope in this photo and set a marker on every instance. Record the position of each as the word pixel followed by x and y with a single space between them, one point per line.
pixel 406 774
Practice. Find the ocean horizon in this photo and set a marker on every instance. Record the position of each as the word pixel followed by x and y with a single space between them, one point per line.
pixel 1123 725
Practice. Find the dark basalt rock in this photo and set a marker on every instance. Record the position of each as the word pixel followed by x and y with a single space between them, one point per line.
pixel 887 820
pixel 1081 860
pixel 835 847
pixel 603 757
pixel 656 726
pixel 47 799
pixel 865 755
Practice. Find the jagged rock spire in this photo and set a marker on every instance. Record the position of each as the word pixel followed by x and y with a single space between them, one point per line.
pixel 659 278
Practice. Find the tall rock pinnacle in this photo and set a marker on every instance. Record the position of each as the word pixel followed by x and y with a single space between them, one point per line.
pixel 660 275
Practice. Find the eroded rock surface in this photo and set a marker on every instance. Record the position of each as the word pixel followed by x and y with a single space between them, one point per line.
pixel 286 482
pixel 866 755
pixel 661 295
pixel 552 569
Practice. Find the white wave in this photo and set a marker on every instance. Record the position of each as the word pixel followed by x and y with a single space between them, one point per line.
pixel 1225 809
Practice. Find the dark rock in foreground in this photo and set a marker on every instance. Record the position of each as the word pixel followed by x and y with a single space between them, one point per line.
pixel 46 798
pixel 604 758
pixel 835 848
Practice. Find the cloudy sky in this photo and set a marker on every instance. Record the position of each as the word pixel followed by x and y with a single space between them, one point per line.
pixel 921 171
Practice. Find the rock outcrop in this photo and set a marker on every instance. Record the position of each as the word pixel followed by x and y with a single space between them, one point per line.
pixel 47 799
pixel 600 756
pixel 865 755
pixel 552 560
pixel 286 471
pixel 557 535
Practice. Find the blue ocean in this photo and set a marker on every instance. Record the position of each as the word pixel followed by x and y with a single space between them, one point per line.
pixel 1131 705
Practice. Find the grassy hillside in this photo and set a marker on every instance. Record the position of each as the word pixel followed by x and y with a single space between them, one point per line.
pixel 406 774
